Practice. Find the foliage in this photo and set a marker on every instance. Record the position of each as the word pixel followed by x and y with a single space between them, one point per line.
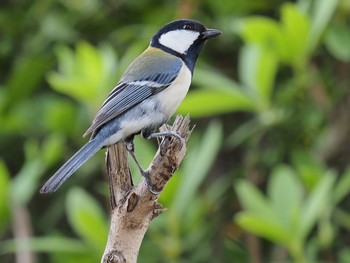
pixel 266 177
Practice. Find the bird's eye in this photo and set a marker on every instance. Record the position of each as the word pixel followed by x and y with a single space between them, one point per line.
pixel 188 27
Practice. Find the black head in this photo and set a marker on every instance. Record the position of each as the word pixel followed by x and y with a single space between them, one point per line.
pixel 183 38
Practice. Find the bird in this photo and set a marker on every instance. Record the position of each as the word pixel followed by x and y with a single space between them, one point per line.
pixel 145 98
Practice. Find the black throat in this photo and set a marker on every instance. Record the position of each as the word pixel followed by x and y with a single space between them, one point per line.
pixel 189 57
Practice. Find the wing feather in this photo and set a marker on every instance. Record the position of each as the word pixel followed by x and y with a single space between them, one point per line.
pixel 127 95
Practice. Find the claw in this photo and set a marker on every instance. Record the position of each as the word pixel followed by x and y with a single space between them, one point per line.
pixel 145 174
pixel 146 134
pixel 168 134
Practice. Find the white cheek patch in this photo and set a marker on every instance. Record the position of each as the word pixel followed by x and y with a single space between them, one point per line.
pixel 179 40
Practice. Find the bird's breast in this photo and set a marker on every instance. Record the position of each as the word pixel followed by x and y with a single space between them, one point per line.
pixel 170 98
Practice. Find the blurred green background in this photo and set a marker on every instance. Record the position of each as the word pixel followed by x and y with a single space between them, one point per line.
pixel 266 177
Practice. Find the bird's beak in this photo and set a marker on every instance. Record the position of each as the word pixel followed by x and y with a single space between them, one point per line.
pixel 210 33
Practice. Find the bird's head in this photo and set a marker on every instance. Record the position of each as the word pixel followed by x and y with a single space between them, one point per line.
pixel 183 38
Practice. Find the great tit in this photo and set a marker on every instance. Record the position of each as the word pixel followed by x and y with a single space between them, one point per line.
pixel 148 94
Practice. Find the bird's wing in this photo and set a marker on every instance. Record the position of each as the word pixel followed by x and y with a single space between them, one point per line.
pixel 135 87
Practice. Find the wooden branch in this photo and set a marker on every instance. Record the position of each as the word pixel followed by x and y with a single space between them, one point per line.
pixel 133 208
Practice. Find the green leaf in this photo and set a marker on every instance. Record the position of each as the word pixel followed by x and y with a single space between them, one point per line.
pixel 264 227
pixel 25 78
pixel 326 232
pixel 25 183
pixel 285 193
pixel 86 218
pixel 52 149
pixel 3 98
pixel 77 78
pixel 243 133
pixel 337 41
pixel 344 255
pixel 296 28
pixel 342 187
pixel 66 59
pixel 257 71
pixel 309 169
pixel 89 62
pixel 265 33
pixel 218 95
pixel 60 115
pixel 197 165
pixel 209 78
pixel 342 218
pixel 4 196
pixel 316 204
pixel 84 75
pixel 84 9
pixel 286 42
pixel 253 201
pixel 110 66
pixel 202 103
pixel 321 15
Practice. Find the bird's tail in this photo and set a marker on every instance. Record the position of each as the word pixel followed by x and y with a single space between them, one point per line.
pixel 77 160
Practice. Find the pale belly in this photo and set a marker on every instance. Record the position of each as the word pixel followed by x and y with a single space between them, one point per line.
pixel 154 111
pixel 171 98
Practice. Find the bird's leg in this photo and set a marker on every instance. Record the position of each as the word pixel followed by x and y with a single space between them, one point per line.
pixel 130 147
pixel 148 134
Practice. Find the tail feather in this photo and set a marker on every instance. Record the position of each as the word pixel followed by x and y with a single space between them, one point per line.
pixel 77 160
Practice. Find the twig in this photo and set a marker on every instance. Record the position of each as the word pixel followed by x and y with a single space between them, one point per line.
pixel 133 208
pixel 22 231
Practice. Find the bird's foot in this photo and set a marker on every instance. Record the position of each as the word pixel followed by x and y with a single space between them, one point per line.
pixel 145 174
pixel 166 134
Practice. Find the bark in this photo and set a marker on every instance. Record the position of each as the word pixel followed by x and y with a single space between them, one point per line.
pixel 134 207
